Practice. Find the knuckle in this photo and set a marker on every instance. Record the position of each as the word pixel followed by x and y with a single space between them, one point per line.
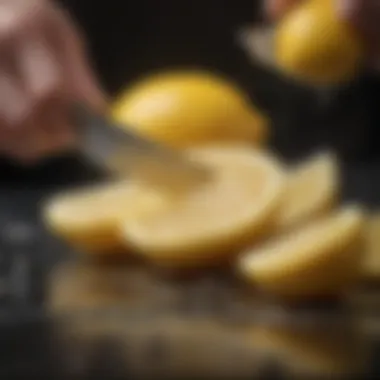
pixel 9 25
pixel 48 91
pixel 20 17
pixel 18 124
pixel 17 118
pixel 16 20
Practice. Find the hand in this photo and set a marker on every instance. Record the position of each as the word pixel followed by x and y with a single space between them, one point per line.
pixel 364 15
pixel 276 8
pixel 43 69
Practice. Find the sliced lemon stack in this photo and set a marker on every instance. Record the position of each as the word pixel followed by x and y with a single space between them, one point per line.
pixel 90 218
pixel 215 220
pixel 248 196
pixel 320 259
pixel 311 191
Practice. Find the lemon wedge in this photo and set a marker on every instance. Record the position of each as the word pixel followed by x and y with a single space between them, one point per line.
pixel 311 190
pixel 217 219
pixel 320 259
pixel 182 109
pixel 89 218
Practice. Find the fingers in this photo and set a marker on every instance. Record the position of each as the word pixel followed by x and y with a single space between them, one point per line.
pixel 277 8
pixel 14 105
pixel 39 78
pixel 79 76
pixel 364 15
pixel 51 136
pixel 13 101
pixel 40 70
pixel 35 145
pixel 43 70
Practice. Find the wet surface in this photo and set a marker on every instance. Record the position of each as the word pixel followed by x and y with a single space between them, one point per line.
pixel 231 333
pixel 134 317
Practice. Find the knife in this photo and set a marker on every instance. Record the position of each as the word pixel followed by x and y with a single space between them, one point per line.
pixel 124 153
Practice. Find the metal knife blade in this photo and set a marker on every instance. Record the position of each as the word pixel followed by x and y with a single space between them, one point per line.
pixel 123 152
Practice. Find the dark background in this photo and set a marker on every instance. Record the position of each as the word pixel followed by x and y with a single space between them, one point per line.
pixel 129 39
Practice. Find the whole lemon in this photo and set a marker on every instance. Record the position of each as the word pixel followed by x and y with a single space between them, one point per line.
pixel 187 108
pixel 314 45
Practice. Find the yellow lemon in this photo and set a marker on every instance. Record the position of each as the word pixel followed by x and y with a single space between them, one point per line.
pixel 311 190
pixel 88 218
pixel 215 220
pixel 314 45
pixel 183 109
pixel 320 259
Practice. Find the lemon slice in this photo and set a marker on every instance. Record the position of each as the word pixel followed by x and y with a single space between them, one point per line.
pixel 89 218
pixel 311 190
pixel 218 218
pixel 317 260
pixel 371 260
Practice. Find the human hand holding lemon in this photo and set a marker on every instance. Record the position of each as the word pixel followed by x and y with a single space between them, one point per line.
pixel 324 42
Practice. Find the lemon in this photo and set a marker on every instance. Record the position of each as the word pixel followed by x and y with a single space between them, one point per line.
pixel 88 218
pixel 183 109
pixel 371 260
pixel 311 190
pixel 220 217
pixel 312 44
pixel 321 259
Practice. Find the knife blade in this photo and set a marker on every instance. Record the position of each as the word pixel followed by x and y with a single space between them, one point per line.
pixel 123 152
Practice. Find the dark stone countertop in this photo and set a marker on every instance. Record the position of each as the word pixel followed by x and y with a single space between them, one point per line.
pixel 24 330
